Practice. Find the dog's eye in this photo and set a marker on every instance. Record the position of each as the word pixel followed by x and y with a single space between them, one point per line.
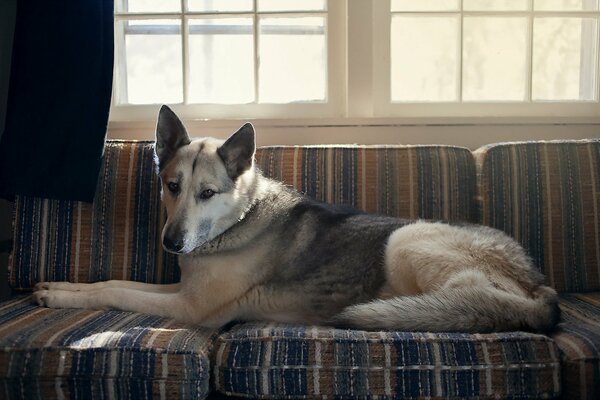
pixel 173 187
pixel 207 194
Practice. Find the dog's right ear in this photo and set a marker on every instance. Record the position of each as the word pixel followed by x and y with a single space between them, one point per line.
pixel 170 136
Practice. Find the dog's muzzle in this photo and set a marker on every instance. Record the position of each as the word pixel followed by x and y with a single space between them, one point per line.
pixel 173 245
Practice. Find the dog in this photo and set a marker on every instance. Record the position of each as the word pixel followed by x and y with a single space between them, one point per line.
pixel 251 248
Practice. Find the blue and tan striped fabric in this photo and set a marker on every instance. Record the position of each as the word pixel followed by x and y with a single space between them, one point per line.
pixel 293 362
pixel 431 182
pixel 115 237
pixel 547 196
pixel 118 236
pixel 578 337
pixel 83 354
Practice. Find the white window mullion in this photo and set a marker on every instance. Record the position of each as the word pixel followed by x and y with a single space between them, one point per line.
pixel 589 53
pixel 121 95
pixel 255 32
pixel 381 58
pixel 461 36
pixel 529 74
pixel 597 99
pixel 185 51
pixel 360 32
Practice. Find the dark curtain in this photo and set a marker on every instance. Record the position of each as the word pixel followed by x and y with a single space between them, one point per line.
pixel 58 99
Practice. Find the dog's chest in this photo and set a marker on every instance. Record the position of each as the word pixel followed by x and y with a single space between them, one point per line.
pixel 228 274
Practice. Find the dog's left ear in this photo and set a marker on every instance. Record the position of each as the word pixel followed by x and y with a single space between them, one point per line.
pixel 238 151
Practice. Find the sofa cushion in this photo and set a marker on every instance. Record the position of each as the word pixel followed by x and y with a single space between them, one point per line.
pixel 115 237
pixel 282 361
pixel 118 235
pixel 432 182
pixel 547 196
pixel 578 337
pixel 46 353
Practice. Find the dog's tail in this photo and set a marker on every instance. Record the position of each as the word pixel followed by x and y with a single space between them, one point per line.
pixel 462 309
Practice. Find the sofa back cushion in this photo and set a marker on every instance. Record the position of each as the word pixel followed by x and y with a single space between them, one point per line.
pixel 118 235
pixel 547 196
pixel 115 237
pixel 432 182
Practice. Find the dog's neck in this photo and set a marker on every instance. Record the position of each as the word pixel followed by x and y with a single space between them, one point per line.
pixel 267 206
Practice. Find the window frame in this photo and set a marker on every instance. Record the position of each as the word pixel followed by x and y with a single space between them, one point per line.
pixel 333 106
pixel 359 92
pixel 384 107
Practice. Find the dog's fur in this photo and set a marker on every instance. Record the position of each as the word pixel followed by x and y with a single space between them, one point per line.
pixel 251 248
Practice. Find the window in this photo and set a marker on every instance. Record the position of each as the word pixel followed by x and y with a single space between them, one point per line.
pixel 357 58
pixel 490 57
pixel 226 58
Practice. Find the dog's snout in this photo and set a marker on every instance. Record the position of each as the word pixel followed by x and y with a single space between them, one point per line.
pixel 173 244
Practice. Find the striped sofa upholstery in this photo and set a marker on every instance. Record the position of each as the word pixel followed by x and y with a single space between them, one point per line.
pixel 578 337
pixel 118 235
pixel 431 182
pixel 110 354
pixel 282 361
pixel 547 196
pixel 115 237
pixel 84 354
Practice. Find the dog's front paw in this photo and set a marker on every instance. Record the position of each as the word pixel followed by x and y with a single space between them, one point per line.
pixel 41 296
pixel 53 299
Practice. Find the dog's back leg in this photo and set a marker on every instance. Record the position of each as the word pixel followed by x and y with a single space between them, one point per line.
pixel 448 278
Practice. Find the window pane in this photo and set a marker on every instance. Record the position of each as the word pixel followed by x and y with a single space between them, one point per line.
pixel 564 58
pixel 566 5
pixel 221 60
pixel 424 58
pixel 293 59
pixel 495 5
pixel 291 5
pixel 152 61
pixel 424 5
pixel 220 5
pixel 494 58
pixel 148 6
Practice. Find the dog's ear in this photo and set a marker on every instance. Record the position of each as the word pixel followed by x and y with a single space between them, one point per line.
pixel 170 136
pixel 238 151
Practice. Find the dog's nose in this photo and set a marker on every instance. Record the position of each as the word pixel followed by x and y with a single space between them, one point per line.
pixel 173 245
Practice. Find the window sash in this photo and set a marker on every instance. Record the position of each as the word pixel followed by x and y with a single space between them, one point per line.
pixel 359 77
pixel 332 106
pixel 384 107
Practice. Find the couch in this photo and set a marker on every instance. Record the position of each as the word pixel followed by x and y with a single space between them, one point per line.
pixel 545 194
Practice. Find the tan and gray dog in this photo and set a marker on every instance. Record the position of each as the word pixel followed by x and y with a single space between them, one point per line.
pixel 251 248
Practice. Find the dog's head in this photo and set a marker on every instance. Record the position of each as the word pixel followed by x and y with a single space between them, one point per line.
pixel 207 184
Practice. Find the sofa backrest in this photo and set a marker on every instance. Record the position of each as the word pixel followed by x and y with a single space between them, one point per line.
pixel 547 196
pixel 115 237
pixel 431 182
pixel 118 235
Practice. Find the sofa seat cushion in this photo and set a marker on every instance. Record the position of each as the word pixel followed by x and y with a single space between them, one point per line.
pixel 67 353
pixel 284 361
pixel 578 337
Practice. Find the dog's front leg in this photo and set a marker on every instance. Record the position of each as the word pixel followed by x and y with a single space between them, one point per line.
pixel 173 305
pixel 76 287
